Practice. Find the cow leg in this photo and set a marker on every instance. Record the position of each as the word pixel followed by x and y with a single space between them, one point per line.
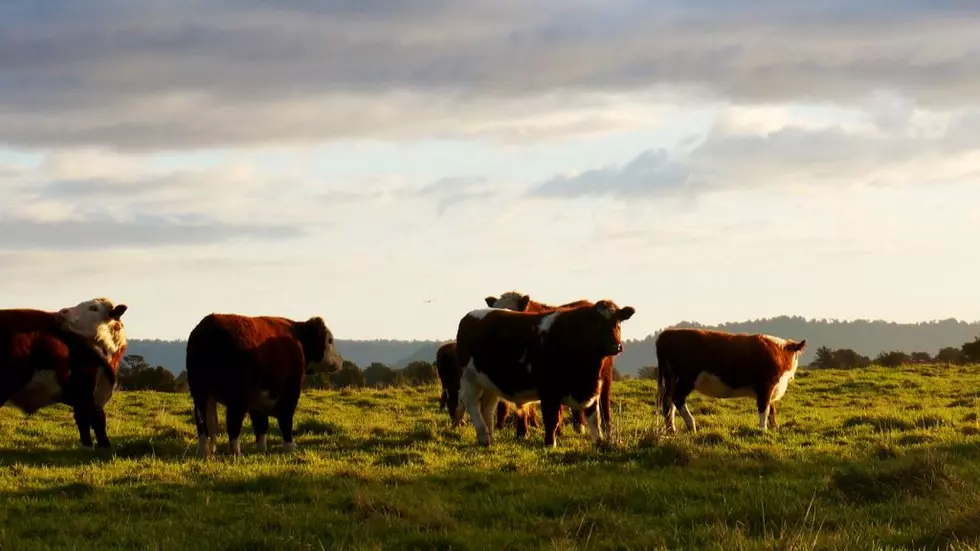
pixel 99 426
pixel 762 402
pixel 234 418
pixel 604 406
pixel 443 400
pixel 83 420
pixel 521 420
pixel 470 397
pixel 502 414
pixel 578 421
pixel 665 397
pixel 550 414
pixel 488 403
pixel 454 407
pixel 260 425
pixel 286 428
pixel 681 390
pixel 206 419
pixel 592 414
pixel 532 416
pixel 772 415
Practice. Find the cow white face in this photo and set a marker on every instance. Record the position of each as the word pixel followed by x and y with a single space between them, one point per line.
pixel 97 319
pixel 608 325
pixel 511 300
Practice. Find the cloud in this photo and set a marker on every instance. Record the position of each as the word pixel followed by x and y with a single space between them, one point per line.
pixel 143 232
pixel 140 76
pixel 887 148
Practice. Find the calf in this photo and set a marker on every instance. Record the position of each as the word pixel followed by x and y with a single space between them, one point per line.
pixel 513 300
pixel 553 358
pixel 723 365
pixel 68 357
pixel 255 366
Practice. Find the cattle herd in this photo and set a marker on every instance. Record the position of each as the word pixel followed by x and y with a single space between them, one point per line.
pixel 506 358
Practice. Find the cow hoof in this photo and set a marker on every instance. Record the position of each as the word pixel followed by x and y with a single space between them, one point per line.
pixel 289 447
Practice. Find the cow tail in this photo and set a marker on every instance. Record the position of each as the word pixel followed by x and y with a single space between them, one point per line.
pixel 665 383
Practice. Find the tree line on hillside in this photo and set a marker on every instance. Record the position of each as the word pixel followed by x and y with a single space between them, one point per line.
pixel 136 374
pixel 845 358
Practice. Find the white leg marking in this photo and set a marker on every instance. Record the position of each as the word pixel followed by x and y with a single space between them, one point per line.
pixel 488 405
pixel 669 419
pixel 290 447
pixel 469 395
pixel 236 446
pixel 764 419
pixel 688 418
pixel 594 426
pixel 261 443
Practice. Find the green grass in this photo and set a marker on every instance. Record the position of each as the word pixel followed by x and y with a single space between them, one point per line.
pixel 868 459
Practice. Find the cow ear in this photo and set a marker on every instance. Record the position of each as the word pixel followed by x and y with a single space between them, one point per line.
pixel 796 346
pixel 118 311
pixel 625 313
pixel 491 301
pixel 525 300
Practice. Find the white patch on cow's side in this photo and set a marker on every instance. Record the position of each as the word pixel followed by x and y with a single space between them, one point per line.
pixel 711 385
pixel 103 389
pixel 261 443
pixel 479 313
pixel 235 445
pixel 546 322
pixel 688 419
pixel 42 390
pixel 289 447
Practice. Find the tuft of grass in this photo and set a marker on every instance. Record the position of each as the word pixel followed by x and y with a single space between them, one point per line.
pixel 919 476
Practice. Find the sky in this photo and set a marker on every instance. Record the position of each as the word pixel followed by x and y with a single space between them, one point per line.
pixel 386 164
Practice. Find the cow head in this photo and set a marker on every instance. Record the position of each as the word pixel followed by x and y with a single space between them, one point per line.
pixel 511 300
pixel 98 320
pixel 796 348
pixel 318 345
pixel 606 317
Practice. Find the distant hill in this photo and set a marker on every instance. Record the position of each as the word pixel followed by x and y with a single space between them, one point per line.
pixel 864 336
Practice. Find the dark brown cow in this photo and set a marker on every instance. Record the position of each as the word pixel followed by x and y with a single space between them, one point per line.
pixel 449 377
pixel 512 300
pixel 69 357
pixel 522 357
pixel 723 365
pixel 255 366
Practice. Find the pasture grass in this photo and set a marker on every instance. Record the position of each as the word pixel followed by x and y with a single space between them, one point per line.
pixel 866 459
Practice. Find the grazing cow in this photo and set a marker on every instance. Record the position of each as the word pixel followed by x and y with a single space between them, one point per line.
pixel 449 377
pixel 513 300
pixel 723 365
pixel 255 366
pixel 68 357
pixel 553 358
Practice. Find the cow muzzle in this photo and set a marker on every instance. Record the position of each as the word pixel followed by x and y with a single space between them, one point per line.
pixel 615 349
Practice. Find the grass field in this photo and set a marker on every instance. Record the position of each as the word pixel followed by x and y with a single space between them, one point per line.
pixel 869 459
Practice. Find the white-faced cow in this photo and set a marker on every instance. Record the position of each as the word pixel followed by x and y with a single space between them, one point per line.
pixel 723 365
pixel 254 366
pixel 68 357
pixel 553 358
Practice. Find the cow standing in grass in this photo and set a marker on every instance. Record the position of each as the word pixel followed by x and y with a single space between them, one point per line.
pixel 70 357
pixel 449 378
pixel 555 358
pixel 520 302
pixel 723 365
pixel 254 366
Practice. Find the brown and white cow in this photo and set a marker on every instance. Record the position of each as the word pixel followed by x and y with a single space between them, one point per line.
pixel 553 358
pixel 68 357
pixel 513 300
pixel 255 366
pixel 723 365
